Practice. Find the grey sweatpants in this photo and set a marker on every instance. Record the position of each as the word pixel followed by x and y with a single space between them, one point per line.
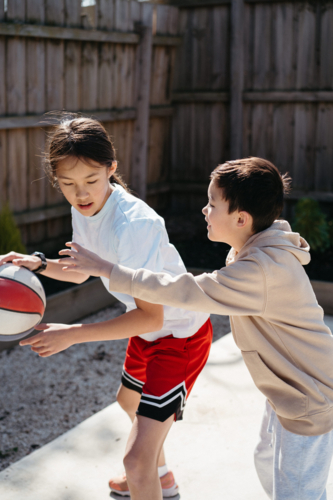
pixel 289 466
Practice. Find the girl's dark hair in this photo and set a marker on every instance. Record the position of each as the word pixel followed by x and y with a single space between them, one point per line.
pixel 82 138
pixel 254 185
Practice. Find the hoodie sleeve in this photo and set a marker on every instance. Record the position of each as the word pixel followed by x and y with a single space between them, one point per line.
pixel 236 290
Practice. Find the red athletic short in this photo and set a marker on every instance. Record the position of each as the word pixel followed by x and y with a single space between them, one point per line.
pixel 164 371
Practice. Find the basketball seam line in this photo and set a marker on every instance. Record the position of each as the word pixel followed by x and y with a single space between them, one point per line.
pixel 19 312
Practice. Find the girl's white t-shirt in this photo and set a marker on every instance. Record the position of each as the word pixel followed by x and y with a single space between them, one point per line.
pixel 128 232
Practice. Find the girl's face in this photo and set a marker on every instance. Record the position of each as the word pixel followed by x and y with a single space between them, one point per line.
pixel 85 185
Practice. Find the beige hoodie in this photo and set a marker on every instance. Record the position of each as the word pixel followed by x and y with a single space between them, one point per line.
pixel 275 320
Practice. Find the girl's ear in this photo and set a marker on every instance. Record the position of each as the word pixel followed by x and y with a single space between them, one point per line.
pixel 112 169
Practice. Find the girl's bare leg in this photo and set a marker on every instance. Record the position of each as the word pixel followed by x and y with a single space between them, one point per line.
pixel 143 449
pixel 129 401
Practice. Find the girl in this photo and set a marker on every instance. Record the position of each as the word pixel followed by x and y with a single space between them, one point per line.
pixel 168 346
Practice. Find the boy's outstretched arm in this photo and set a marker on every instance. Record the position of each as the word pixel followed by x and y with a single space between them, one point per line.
pixel 239 289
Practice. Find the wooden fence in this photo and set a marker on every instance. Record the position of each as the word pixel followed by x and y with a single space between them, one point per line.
pixel 53 58
pixel 181 87
pixel 254 77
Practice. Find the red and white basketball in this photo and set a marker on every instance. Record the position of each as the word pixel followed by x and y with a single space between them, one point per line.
pixel 22 302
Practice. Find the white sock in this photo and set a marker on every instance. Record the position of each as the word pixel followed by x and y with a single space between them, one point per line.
pixel 163 470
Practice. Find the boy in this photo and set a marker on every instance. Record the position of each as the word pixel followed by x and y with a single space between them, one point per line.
pixel 275 320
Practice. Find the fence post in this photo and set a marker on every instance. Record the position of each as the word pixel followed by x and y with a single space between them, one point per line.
pixel 141 127
pixel 236 79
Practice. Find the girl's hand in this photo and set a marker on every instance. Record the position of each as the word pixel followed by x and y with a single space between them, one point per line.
pixel 84 261
pixel 31 262
pixel 52 339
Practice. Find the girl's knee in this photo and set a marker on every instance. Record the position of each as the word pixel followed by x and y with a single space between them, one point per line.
pixel 137 468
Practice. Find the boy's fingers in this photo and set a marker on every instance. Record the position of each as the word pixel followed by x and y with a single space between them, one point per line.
pixel 74 245
pixel 70 268
pixel 66 252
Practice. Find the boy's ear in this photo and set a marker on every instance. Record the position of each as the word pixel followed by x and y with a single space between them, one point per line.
pixel 244 220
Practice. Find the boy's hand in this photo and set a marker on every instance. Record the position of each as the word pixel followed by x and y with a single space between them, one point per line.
pixel 52 339
pixel 84 261
pixel 31 262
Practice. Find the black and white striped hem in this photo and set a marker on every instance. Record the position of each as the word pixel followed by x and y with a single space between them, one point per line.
pixel 131 383
pixel 162 407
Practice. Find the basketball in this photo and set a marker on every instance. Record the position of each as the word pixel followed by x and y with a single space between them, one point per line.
pixel 22 302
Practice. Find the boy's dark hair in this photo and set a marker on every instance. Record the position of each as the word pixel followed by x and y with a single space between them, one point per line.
pixel 254 185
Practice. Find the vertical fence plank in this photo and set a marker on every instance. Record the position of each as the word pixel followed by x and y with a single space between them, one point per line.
pixel 72 13
pixel 55 61
pixel 324 149
pixel 262 47
pixel 55 12
pixel 283 47
pixel 3 168
pixel 105 21
pixel 36 104
pixel 283 133
pixel 306 48
pixel 2 10
pixel 121 15
pixel 220 71
pixel 16 10
pixel 304 146
pixel 3 79
pixel 35 11
pixel 17 105
pixel 89 76
pixel 237 76
pixel 326 43
pixel 105 76
pixel 72 81
pixel 105 14
pixel 141 128
pixel 35 76
pixel 35 53
pixel 17 159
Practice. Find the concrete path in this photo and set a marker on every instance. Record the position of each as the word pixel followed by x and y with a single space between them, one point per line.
pixel 210 452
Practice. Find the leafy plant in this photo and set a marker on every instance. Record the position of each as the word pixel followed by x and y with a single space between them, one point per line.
pixel 10 236
pixel 312 224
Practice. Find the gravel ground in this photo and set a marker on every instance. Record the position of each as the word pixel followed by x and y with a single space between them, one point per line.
pixel 41 398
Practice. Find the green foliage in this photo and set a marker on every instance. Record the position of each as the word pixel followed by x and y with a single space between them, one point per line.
pixel 10 236
pixel 311 223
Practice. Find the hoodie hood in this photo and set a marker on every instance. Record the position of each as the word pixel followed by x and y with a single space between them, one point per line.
pixel 278 235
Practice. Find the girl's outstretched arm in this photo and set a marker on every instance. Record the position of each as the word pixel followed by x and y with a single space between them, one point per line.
pixel 55 338
pixel 53 270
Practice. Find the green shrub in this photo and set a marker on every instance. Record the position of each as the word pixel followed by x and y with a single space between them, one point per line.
pixel 311 223
pixel 10 236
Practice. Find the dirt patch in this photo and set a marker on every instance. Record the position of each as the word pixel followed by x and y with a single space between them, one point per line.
pixel 41 398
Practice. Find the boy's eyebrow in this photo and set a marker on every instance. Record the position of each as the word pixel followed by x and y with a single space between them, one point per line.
pixel 70 178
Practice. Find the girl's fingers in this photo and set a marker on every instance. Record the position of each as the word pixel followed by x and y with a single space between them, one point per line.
pixel 42 326
pixel 32 341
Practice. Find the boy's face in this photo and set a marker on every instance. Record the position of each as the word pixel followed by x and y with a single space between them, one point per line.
pixel 233 228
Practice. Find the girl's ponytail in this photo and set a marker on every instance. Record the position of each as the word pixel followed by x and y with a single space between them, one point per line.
pixel 116 179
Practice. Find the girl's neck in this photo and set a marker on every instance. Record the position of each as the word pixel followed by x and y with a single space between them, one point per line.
pixel 107 196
